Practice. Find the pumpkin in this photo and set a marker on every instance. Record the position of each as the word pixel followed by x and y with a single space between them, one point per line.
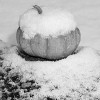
pixel 47 33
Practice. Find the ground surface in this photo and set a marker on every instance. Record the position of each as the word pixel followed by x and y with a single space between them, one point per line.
pixel 87 16
pixel 86 13
pixel 76 77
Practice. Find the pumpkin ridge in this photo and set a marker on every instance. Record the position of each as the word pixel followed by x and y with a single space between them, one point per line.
pixel 68 43
pixel 64 50
pixel 62 38
pixel 20 39
pixel 65 44
pixel 18 36
pixel 31 47
pixel 47 46
pixel 79 35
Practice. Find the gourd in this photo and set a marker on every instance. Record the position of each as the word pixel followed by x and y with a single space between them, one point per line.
pixel 47 33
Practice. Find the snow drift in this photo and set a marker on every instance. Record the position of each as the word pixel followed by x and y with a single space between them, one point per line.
pixel 75 77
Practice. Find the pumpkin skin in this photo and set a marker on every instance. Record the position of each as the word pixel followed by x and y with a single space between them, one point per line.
pixel 51 47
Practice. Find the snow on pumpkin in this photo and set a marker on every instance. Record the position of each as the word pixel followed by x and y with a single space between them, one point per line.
pixel 50 22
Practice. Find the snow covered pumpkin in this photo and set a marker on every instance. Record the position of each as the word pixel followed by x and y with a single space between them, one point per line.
pixel 48 33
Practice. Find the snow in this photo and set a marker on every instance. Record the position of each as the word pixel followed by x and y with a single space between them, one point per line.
pixel 77 76
pixel 79 72
pixel 51 22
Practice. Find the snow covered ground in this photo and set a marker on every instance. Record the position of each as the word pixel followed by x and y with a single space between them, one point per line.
pixel 80 70
pixel 86 13
pixel 76 77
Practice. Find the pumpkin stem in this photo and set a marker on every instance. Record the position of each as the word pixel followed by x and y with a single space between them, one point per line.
pixel 38 9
